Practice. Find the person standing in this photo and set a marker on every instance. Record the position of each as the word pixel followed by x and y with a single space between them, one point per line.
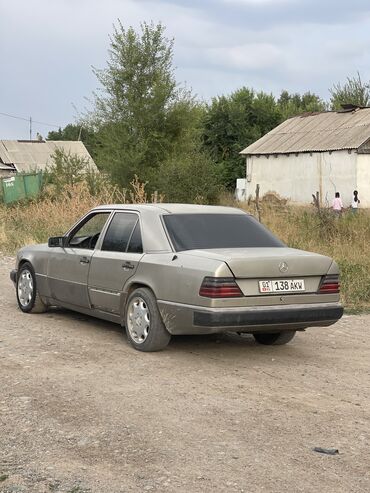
pixel 355 201
pixel 337 204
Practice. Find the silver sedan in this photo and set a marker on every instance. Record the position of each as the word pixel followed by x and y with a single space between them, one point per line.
pixel 168 269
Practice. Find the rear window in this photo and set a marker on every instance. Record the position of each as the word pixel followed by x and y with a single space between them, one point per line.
pixel 204 231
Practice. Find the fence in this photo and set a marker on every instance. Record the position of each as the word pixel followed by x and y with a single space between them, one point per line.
pixel 23 186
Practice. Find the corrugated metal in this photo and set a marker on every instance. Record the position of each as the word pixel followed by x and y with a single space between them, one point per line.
pixel 327 131
pixel 29 156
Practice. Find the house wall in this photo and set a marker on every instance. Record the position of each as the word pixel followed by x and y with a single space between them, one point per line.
pixel 363 179
pixel 297 177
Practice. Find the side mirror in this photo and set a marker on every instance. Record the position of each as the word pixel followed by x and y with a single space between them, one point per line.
pixel 57 241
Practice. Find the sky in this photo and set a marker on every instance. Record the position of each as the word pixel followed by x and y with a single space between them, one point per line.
pixel 47 49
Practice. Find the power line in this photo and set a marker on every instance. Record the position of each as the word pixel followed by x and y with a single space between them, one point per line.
pixel 28 119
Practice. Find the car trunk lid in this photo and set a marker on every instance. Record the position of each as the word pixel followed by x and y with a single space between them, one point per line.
pixel 263 263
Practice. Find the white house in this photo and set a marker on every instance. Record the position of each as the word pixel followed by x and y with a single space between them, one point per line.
pixel 323 152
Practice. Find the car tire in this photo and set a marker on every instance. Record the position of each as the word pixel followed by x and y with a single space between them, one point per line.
pixel 28 296
pixel 144 326
pixel 274 338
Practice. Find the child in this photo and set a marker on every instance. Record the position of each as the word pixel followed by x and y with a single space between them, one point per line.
pixel 337 204
pixel 355 201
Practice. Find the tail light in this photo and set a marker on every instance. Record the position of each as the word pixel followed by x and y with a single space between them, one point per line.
pixel 220 287
pixel 330 284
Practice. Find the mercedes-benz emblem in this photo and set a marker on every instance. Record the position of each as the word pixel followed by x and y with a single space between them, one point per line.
pixel 283 267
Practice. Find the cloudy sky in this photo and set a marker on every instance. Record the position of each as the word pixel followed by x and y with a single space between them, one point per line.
pixel 47 48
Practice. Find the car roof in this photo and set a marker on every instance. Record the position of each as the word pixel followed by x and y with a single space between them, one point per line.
pixel 174 208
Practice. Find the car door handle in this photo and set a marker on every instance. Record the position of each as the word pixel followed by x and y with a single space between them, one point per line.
pixel 84 260
pixel 128 265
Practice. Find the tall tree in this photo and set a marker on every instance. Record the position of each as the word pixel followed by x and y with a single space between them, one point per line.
pixel 233 122
pixel 296 104
pixel 353 91
pixel 140 114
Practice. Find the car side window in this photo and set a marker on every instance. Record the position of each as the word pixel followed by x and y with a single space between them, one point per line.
pixel 119 232
pixel 136 244
pixel 88 234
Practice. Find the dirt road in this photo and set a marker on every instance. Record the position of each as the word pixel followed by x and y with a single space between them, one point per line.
pixel 80 411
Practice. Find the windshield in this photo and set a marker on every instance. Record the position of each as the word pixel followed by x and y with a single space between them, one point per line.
pixel 205 231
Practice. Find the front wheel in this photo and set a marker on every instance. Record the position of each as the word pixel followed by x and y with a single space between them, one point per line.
pixel 144 326
pixel 28 297
pixel 274 338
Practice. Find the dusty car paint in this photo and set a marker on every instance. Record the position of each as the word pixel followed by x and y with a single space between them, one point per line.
pixel 97 282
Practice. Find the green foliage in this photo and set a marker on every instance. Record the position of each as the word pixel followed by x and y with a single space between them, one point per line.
pixel 296 104
pixel 353 91
pixel 140 115
pixel 233 122
pixel 192 178
pixel 66 169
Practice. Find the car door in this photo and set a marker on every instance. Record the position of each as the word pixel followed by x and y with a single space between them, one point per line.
pixel 115 261
pixel 68 267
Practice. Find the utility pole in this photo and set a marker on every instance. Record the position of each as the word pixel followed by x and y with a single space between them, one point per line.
pixel 30 127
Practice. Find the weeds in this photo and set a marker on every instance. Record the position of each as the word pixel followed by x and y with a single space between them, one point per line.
pixel 345 238
pixel 55 212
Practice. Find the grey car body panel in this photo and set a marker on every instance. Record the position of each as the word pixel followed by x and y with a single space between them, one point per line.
pixel 100 286
pixel 185 319
pixel 247 262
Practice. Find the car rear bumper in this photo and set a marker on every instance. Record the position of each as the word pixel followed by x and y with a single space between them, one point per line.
pixel 13 275
pixel 188 319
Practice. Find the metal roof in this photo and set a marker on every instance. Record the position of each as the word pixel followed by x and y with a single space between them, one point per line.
pixel 315 132
pixel 30 155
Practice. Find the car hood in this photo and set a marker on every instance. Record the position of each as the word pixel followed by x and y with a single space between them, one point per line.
pixel 267 262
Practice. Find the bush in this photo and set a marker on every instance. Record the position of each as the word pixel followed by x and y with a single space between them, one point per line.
pixel 189 179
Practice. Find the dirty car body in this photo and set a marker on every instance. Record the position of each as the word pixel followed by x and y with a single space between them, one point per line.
pixel 187 269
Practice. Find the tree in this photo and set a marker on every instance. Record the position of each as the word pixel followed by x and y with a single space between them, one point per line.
pixel 140 114
pixel 296 104
pixel 233 122
pixel 76 132
pixel 191 178
pixel 66 169
pixel 353 91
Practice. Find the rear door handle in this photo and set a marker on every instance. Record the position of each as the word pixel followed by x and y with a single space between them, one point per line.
pixel 84 260
pixel 128 266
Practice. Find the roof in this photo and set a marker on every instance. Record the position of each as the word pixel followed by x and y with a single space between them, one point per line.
pixel 29 155
pixel 6 167
pixel 314 132
pixel 160 208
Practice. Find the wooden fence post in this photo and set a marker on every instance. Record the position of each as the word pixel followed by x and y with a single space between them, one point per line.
pixel 258 202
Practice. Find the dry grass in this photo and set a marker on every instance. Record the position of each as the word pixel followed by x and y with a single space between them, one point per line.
pixel 346 239
pixel 33 222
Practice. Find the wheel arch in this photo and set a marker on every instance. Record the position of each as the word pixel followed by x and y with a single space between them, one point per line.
pixel 129 289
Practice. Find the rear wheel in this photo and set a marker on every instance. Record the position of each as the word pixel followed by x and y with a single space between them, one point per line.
pixel 274 338
pixel 28 297
pixel 144 326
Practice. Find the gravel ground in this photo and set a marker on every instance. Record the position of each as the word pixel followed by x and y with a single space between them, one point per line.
pixel 80 411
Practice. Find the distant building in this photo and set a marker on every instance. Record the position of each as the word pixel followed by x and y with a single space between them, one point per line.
pixel 23 156
pixel 324 152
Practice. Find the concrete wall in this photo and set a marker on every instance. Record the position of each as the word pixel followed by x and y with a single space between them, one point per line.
pixel 297 177
pixel 363 179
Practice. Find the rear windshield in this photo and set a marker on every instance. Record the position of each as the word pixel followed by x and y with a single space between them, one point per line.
pixel 204 231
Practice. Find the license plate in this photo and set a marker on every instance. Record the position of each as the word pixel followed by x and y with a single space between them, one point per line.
pixel 281 286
